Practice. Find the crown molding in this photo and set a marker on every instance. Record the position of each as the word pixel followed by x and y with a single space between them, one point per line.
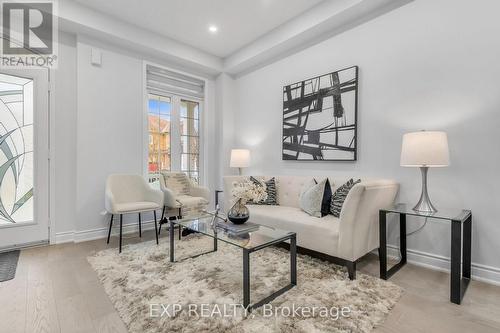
pixel 315 25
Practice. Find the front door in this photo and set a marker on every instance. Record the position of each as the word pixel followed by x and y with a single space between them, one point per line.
pixel 24 163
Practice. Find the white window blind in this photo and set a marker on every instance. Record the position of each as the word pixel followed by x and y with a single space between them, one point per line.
pixel 161 81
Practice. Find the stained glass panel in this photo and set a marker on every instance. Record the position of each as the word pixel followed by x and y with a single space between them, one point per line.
pixel 16 149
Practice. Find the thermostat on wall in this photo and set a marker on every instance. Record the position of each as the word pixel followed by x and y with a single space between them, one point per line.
pixel 96 57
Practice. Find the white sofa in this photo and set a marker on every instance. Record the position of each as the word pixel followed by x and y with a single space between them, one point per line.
pixel 342 240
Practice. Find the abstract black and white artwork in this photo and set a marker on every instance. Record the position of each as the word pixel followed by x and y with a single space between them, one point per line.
pixel 320 116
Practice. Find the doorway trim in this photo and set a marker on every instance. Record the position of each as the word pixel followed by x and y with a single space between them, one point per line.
pixel 51 155
pixel 51 232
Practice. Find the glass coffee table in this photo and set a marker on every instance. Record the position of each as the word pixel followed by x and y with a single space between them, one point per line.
pixel 253 241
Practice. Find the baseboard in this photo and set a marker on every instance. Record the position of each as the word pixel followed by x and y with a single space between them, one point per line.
pixel 99 233
pixel 65 237
pixel 479 272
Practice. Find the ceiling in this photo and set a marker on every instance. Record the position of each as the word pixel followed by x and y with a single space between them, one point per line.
pixel 239 22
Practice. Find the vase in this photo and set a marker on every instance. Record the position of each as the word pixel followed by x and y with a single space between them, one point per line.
pixel 239 213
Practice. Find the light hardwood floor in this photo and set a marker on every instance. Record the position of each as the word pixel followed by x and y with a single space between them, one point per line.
pixel 56 290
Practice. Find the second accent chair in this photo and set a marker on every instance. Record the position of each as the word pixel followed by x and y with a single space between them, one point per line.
pixel 181 197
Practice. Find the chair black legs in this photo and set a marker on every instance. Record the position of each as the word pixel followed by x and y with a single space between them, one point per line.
pixel 121 225
pixel 161 219
pixel 140 227
pixel 121 229
pixel 156 227
pixel 163 213
pixel 110 225
pixel 179 216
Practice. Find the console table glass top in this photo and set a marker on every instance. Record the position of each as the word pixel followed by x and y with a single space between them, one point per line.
pixel 460 215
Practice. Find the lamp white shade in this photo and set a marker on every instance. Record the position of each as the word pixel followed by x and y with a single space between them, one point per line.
pixel 425 149
pixel 240 158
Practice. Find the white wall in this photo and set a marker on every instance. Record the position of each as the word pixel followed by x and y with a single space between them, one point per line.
pixel 99 131
pixel 432 64
pixel 210 133
pixel 225 108
pixel 64 145
pixel 109 127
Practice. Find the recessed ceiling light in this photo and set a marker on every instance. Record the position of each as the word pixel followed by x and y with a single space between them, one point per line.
pixel 213 29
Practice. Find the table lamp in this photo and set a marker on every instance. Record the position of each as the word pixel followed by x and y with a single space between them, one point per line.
pixel 240 158
pixel 425 149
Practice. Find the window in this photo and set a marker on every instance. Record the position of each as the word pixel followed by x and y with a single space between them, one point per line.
pixel 173 135
pixel 190 138
pixel 159 127
pixel 174 118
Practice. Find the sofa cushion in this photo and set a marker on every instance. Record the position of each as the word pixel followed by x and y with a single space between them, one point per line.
pixel 270 186
pixel 178 182
pixel 327 198
pixel 340 195
pixel 311 199
pixel 316 234
pixel 289 189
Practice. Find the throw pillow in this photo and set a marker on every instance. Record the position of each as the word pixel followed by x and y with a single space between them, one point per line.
pixel 311 199
pixel 327 198
pixel 340 195
pixel 178 182
pixel 270 186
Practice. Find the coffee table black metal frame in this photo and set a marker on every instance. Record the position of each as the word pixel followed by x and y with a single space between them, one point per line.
pixel 460 246
pixel 292 237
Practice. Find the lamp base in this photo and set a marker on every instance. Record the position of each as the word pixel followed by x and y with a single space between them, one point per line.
pixel 424 204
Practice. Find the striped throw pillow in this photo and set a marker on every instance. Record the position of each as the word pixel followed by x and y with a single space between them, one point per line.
pixel 270 189
pixel 177 182
pixel 340 195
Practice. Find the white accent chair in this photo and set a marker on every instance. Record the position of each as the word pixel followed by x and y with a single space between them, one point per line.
pixel 181 195
pixel 128 194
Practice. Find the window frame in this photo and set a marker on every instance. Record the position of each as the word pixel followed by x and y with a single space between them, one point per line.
pixel 175 135
pixel 188 152
pixel 149 133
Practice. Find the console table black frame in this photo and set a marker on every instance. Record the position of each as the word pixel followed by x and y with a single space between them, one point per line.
pixel 460 248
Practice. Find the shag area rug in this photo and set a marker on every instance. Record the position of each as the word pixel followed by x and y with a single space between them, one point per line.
pixel 200 294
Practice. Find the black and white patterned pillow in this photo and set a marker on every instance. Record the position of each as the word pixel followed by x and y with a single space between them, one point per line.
pixel 340 195
pixel 270 189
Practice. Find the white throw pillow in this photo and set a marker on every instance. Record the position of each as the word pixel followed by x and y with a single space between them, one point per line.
pixel 311 198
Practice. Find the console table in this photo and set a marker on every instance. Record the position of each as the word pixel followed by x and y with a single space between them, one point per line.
pixel 460 245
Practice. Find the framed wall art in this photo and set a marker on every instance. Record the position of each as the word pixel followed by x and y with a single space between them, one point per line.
pixel 320 117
